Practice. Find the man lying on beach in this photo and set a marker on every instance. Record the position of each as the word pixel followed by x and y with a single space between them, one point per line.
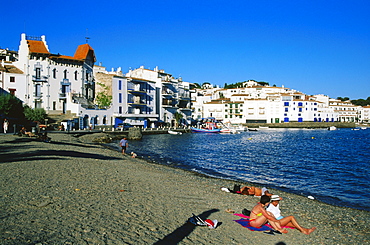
pixel 249 190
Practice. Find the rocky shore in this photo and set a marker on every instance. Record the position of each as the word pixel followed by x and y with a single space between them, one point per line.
pixel 72 191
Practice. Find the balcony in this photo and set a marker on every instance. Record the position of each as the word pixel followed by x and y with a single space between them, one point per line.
pixel 169 103
pixel 136 102
pixel 39 78
pixel 37 96
pixel 136 91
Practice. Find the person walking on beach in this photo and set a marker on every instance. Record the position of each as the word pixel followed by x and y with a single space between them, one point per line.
pixel 124 144
pixel 5 125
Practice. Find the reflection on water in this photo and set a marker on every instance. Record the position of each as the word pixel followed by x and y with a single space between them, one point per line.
pixel 329 165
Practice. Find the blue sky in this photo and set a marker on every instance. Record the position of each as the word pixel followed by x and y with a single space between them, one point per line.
pixel 316 47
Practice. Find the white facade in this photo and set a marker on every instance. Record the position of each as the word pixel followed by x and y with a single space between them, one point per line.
pixel 172 95
pixel 264 104
pixel 55 82
pixel 346 110
pixel 12 79
pixel 364 114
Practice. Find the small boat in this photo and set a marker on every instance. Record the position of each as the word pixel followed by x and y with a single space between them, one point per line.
pixel 208 125
pixel 252 129
pixel 262 127
pixel 205 130
pixel 332 128
pixel 228 131
pixel 174 132
pixel 363 128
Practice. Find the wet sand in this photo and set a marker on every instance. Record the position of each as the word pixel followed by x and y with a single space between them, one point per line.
pixel 70 191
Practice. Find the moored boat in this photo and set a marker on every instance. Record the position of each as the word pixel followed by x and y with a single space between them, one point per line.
pixel 332 128
pixel 229 131
pixel 174 132
pixel 205 130
pixel 207 125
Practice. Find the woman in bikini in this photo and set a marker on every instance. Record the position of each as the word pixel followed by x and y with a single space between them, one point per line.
pixel 259 216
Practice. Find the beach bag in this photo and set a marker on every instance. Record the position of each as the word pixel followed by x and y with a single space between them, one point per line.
pixel 246 212
pixel 236 188
pixel 196 220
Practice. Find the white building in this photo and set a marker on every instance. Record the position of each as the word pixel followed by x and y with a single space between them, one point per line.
pixel 172 95
pixel 58 83
pixel 12 79
pixel 364 114
pixel 346 110
pixel 264 104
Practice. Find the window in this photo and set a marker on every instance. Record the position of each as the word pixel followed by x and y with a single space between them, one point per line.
pixel 54 73
pixel 120 110
pixel 300 104
pixel 76 75
pixel 119 85
pixel 286 109
pixel 38 73
pixel 286 103
pixel 12 79
pixel 65 74
pixel 119 98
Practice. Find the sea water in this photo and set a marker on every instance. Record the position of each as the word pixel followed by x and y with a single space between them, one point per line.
pixel 331 166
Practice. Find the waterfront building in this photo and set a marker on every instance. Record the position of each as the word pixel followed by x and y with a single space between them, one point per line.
pixel 264 104
pixel 347 112
pixel 364 114
pixel 60 84
pixel 171 98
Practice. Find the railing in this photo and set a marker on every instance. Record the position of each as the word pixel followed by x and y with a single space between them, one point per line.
pixel 37 95
pixel 39 78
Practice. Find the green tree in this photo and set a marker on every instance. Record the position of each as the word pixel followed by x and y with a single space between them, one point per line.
pixel 37 114
pixel 342 98
pixel 102 99
pixel 11 106
pixel 178 117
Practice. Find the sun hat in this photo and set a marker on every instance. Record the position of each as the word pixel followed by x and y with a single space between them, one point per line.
pixel 275 198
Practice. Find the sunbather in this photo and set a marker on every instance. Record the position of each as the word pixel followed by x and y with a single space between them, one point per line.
pixel 249 190
pixel 259 216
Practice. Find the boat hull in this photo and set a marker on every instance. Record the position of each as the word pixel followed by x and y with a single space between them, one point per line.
pixel 203 130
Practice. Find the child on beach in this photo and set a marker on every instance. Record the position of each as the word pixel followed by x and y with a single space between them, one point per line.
pixel 124 144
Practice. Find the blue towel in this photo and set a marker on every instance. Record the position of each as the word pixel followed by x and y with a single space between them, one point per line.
pixel 245 223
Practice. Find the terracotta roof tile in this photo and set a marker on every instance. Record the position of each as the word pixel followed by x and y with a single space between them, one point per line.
pixel 83 51
pixel 37 47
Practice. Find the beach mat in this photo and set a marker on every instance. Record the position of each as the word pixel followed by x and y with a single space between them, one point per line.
pixel 245 223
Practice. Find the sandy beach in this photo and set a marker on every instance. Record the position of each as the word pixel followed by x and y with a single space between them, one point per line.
pixel 71 191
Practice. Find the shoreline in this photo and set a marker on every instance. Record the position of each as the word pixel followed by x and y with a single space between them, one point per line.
pixel 324 199
pixel 71 192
